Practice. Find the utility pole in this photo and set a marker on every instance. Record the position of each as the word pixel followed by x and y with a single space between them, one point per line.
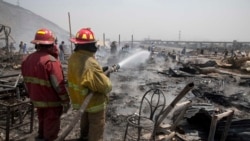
pixel 104 39
pixel 119 40
pixel 70 35
pixel 179 35
pixel 132 37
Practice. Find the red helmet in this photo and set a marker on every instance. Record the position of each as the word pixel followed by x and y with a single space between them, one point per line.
pixel 44 36
pixel 84 36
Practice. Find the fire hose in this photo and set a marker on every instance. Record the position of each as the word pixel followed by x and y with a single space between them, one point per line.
pixel 83 107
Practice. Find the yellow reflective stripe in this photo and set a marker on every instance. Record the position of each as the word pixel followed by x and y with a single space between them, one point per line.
pixel 96 108
pixel 37 81
pixel 92 109
pixel 82 91
pixel 64 97
pixel 41 104
pixel 76 106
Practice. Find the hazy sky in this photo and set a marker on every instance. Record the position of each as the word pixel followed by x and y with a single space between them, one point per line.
pixel 210 20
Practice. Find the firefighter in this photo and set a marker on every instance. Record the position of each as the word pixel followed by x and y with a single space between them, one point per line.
pixel 113 47
pixel 43 78
pixel 85 76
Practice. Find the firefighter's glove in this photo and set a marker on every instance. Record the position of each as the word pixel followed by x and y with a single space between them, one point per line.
pixel 106 68
pixel 66 107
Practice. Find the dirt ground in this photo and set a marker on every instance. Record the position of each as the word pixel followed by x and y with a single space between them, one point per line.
pixel 138 76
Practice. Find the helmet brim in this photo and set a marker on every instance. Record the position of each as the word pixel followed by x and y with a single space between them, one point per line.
pixel 37 42
pixel 75 41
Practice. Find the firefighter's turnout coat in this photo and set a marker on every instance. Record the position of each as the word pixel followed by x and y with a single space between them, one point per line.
pixel 85 75
pixel 44 80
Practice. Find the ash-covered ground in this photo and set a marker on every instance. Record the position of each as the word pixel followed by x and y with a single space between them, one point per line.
pixel 219 90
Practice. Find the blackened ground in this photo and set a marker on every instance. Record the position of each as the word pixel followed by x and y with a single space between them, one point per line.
pixel 132 81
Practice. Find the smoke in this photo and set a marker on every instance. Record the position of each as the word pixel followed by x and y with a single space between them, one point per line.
pixel 102 56
pixel 138 57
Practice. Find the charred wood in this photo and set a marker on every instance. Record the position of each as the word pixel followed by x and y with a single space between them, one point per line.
pixel 239 130
pixel 245 82
pixel 237 100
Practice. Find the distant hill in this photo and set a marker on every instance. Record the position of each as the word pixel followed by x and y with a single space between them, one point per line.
pixel 25 23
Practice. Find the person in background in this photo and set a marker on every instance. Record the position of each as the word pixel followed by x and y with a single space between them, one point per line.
pixel 20 47
pixel 225 53
pixel 12 47
pixel 55 50
pixel 183 51
pixel 43 78
pixel 24 48
pixel 61 52
pixel 202 51
pixel 86 76
pixel 113 47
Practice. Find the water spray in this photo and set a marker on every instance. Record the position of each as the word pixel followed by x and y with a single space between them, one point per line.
pixel 134 56
pixel 116 67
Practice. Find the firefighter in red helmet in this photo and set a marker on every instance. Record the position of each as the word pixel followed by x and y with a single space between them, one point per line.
pixel 44 80
pixel 85 76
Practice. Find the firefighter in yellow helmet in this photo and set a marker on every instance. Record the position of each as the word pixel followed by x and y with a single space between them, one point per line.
pixel 85 76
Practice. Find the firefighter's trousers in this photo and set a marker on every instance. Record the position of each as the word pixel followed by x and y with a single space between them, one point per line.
pixel 92 126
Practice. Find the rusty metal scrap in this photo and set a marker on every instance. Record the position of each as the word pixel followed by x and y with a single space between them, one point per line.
pixel 16 110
